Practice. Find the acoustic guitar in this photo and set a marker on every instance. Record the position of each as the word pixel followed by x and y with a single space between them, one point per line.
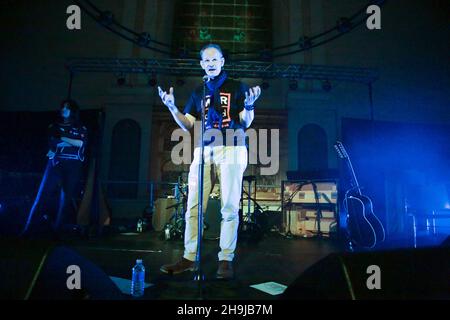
pixel 364 228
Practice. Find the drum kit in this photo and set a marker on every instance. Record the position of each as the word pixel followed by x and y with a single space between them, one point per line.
pixel 174 229
pixel 248 226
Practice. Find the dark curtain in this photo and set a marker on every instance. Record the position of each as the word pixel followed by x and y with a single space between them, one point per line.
pixel 401 166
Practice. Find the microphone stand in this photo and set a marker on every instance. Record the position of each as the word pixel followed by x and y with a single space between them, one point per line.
pixel 199 276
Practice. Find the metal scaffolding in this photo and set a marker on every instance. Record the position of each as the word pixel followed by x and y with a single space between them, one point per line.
pixel 241 69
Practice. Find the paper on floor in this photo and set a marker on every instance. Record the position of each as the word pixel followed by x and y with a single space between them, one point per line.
pixel 272 288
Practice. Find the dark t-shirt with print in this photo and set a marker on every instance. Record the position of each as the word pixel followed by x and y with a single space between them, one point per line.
pixel 68 130
pixel 232 96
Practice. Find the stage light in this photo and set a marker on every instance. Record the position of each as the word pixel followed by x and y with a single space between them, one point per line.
pixel 143 39
pixel 326 85
pixel 344 25
pixel 293 84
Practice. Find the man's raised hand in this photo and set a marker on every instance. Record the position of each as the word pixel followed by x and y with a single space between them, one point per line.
pixel 50 154
pixel 167 98
pixel 252 95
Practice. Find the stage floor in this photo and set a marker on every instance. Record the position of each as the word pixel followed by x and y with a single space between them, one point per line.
pixel 274 258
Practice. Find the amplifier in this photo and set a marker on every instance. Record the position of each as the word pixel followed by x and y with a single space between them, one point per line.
pixel 304 192
pixel 303 222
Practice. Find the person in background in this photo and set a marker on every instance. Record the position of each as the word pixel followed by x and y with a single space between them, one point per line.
pixel 67 139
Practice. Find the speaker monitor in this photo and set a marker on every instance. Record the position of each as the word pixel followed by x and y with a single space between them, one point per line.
pixel 37 270
pixel 403 274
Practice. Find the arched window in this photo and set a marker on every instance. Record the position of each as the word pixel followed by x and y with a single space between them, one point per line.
pixel 124 159
pixel 312 149
pixel 242 25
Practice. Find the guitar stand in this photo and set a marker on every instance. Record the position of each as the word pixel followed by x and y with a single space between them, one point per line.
pixel 289 234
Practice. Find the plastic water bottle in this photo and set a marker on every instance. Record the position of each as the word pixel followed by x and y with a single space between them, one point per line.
pixel 137 280
pixel 139 226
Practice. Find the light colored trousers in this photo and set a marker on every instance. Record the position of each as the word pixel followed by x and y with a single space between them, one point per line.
pixel 229 164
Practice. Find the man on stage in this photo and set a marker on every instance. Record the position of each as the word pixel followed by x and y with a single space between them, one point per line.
pixel 229 106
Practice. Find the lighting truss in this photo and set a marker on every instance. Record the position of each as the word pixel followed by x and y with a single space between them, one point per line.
pixel 238 69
